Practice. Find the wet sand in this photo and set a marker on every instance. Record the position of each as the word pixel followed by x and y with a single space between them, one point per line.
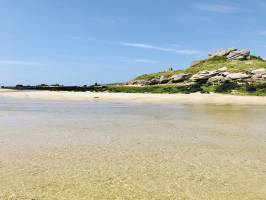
pixel 196 98
pixel 63 150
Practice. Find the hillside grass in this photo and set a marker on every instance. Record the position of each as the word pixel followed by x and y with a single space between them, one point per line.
pixel 211 65
pixel 231 65
pixel 158 74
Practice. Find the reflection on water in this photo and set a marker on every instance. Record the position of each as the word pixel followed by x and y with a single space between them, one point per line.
pixel 92 150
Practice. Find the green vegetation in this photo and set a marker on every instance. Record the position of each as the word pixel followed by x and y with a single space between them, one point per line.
pixel 159 74
pixel 227 88
pixel 253 57
pixel 232 65
pixel 233 88
pixel 152 89
pixel 213 64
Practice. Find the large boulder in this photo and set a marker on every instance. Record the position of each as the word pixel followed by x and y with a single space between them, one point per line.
pixel 138 82
pixel 180 77
pixel 260 71
pixel 239 55
pixel 231 54
pixel 237 76
pixel 217 79
pixel 155 81
pixel 221 52
pixel 225 74
pixel 164 80
pixel 203 76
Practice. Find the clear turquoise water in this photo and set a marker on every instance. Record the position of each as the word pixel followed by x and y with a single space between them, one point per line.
pixel 96 150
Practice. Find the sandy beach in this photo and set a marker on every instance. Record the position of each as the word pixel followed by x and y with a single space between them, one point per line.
pixel 195 98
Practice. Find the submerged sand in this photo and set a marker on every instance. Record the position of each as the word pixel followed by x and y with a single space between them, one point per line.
pixel 55 149
pixel 195 98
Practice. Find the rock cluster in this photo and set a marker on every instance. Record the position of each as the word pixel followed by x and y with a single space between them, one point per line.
pixel 218 76
pixel 231 54
pixel 221 75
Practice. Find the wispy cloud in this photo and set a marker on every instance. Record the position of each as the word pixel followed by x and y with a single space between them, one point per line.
pixel 20 62
pixel 160 48
pixel 217 8
pixel 263 33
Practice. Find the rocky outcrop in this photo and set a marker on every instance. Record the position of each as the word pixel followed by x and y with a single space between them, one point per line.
pixel 154 81
pixel 239 55
pixel 221 52
pixel 138 82
pixel 217 79
pixel 180 78
pixel 203 76
pixel 164 80
pixel 231 54
pixel 221 75
pixel 259 75
pixel 237 76
pixel 260 71
pixel 217 76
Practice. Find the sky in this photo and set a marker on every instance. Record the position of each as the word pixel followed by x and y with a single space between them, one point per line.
pixel 80 42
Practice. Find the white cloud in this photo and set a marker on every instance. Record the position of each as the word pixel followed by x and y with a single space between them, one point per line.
pixel 20 62
pixel 217 8
pixel 159 48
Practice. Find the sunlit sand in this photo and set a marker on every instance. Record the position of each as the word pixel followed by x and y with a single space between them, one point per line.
pixel 54 149
pixel 195 98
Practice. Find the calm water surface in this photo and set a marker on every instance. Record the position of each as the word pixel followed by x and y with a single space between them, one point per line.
pixel 74 150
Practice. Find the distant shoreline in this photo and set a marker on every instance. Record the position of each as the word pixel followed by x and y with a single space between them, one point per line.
pixel 194 98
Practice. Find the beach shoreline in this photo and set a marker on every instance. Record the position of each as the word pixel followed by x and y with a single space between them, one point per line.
pixel 194 98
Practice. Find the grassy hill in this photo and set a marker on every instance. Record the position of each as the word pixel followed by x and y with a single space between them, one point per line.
pixel 213 64
pixel 210 64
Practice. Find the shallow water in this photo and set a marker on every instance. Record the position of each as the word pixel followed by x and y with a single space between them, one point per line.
pixel 53 150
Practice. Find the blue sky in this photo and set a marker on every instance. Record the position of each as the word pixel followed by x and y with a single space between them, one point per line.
pixel 76 42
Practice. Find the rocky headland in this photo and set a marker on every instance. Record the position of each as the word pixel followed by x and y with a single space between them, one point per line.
pixel 221 75
pixel 225 69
